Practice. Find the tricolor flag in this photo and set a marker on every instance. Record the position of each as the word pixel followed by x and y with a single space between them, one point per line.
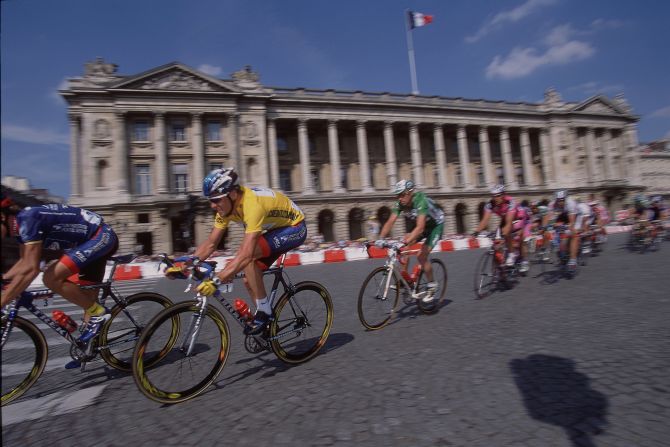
pixel 417 19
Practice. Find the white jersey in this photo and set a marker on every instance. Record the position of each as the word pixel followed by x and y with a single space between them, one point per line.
pixel 569 207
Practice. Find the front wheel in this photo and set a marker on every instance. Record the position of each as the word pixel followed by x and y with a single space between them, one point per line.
pixel 302 321
pixel 119 335
pixel 488 274
pixel 378 298
pixel 24 355
pixel 191 364
pixel 439 277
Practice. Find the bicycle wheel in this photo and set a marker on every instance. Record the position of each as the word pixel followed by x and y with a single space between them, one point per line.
pixel 440 277
pixel 487 275
pixel 190 365
pixel 302 322
pixel 119 335
pixel 24 355
pixel 376 302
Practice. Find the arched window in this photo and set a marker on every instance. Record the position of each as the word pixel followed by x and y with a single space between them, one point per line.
pixel 459 212
pixel 101 173
pixel 356 219
pixel 326 218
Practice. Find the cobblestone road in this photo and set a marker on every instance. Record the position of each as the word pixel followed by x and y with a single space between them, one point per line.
pixel 583 362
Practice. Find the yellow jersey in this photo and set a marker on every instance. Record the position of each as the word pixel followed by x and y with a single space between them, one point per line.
pixel 262 209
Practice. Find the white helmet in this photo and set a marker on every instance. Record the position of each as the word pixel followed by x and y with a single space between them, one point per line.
pixel 497 189
pixel 561 194
pixel 402 186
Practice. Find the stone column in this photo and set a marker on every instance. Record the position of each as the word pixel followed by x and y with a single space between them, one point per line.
pixel 485 154
pixel 198 153
pixel 526 158
pixel 590 155
pixel 508 166
pixel 606 143
pixel 303 150
pixel 389 148
pixel 464 156
pixel 415 150
pixel 555 148
pixel 232 122
pixel 272 153
pixel 161 148
pixel 363 163
pixel 440 157
pixel 616 138
pixel 121 147
pixel 334 151
pixel 633 157
pixel 76 171
pixel 548 173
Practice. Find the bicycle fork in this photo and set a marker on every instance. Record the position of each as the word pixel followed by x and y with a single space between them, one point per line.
pixel 194 327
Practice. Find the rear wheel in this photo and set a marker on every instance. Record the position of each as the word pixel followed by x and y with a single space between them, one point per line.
pixel 119 335
pixel 302 322
pixel 24 355
pixel 378 298
pixel 440 277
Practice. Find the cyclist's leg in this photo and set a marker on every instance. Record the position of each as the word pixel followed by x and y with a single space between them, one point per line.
pixel 432 236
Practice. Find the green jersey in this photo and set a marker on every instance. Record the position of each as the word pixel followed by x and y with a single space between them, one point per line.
pixel 421 205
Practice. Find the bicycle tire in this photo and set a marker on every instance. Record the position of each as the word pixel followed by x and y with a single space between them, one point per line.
pixel 441 277
pixel 15 390
pixel 290 317
pixel 486 268
pixel 125 328
pixel 167 385
pixel 374 299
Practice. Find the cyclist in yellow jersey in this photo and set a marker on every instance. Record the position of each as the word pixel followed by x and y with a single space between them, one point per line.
pixel 273 225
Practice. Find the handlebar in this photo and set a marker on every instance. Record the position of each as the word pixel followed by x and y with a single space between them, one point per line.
pixel 393 245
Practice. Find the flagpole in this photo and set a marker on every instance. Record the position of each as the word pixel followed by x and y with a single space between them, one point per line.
pixel 410 53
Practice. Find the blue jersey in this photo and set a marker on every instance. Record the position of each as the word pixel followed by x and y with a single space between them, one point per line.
pixel 58 227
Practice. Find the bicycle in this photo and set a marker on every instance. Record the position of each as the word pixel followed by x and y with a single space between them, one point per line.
pixel 491 272
pixel 299 327
pixel 117 336
pixel 380 292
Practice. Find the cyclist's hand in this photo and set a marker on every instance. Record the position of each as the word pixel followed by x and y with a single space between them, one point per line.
pixel 207 287
pixel 379 243
pixel 177 271
pixel 475 234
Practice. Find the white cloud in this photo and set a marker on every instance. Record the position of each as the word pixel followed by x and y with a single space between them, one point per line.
pixel 33 135
pixel 594 87
pixel 663 112
pixel 211 70
pixel 55 96
pixel 521 62
pixel 599 24
pixel 509 16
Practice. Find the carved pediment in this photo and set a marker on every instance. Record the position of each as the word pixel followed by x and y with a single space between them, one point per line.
pixel 598 105
pixel 175 77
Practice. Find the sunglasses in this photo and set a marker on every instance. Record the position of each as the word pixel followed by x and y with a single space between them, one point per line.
pixel 217 200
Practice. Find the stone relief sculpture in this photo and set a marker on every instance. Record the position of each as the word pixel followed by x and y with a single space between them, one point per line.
pixel 552 98
pixel 246 79
pixel 101 130
pixel 176 80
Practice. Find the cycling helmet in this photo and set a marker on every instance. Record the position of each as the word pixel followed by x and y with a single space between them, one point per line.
pixel 593 203
pixel 219 183
pixel 561 194
pixel 497 189
pixel 402 186
pixel 656 199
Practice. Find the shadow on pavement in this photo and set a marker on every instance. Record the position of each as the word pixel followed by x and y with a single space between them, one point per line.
pixel 555 393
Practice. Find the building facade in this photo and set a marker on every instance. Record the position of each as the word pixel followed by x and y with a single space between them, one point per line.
pixel 141 145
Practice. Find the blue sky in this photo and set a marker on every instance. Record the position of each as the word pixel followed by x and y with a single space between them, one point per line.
pixel 501 50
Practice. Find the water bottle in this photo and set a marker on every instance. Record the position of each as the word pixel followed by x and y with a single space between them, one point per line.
pixel 64 320
pixel 416 271
pixel 242 308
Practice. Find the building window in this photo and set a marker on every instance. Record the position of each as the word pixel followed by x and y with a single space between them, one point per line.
pixel 140 131
pixel 100 173
pixel 500 175
pixel 143 218
pixel 481 181
pixel 180 177
pixel 459 176
pixel 177 131
pixel 316 180
pixel 143 180
pixel 282 145
pixel 285 180
pixel 519 176
pixel 213 130
pixel 344 176
pixel 312 146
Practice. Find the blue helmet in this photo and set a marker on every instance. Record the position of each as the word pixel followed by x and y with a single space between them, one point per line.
pixel 219 183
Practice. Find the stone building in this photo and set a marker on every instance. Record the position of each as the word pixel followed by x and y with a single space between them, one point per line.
pixel 141 144
pixel 655 168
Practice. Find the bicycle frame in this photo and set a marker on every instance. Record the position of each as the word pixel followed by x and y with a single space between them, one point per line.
pixel 391 264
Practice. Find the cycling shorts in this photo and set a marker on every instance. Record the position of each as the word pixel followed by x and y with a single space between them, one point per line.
pixel 276 242
pixel 432 236
pixel 89 259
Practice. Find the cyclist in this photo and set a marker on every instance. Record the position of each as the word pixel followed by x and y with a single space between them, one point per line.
pixel 86 242
pixel 599 217
pixel 638 212
pixel 513 218
pixel 273 225
pixel 568 211
pixel 657 214
pixel 429 218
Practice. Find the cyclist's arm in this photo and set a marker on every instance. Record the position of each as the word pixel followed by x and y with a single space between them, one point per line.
pixel 509 217
pixel 571 221
pixel 417 231
pixel 485 221
pixel 206 248
pixel 24 272
pixel 386 229
pixel 244 256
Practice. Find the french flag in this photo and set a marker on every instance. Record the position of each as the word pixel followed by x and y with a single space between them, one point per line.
pixel 417 19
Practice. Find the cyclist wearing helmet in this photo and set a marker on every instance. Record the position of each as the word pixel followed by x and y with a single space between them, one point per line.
pixel 566 210
pixel 513 218
pixel 657 214
pixel 86 242
pixel 599 217
pixel 429 219
pixel 273 225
